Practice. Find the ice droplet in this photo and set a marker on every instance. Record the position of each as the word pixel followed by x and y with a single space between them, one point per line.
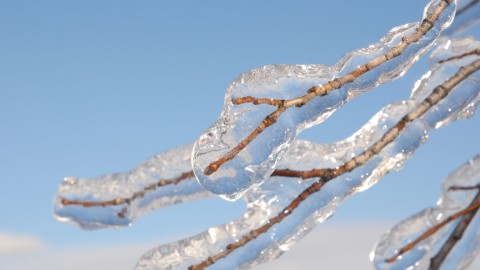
pixel 255 162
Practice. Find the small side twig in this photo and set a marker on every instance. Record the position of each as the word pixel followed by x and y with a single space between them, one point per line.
pixel 324 173
pixel 466 214
pixel 456 57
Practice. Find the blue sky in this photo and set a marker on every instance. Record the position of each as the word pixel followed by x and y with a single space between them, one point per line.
pixel 94 87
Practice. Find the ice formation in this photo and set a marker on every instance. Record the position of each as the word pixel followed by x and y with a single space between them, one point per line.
pixel 271 225
pixel 283 209
pixel 230 175
pixel 450 202
pixel 115 200
pixel 466 17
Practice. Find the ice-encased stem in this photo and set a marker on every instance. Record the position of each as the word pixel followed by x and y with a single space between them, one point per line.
pixel 115 200
pixel 282 210
pixel 425 255
pixel 243 147
pixel 70 201
pixel 466 218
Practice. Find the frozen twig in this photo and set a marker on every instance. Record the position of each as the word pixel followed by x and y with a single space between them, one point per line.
pixel 464 187
pixel 476 51
pixel 286 207
pixel 430 239
pixel 438 94
pixel 266 203
pixel 326 175
pixel 128 200
pixel 466 214
pixel 315 91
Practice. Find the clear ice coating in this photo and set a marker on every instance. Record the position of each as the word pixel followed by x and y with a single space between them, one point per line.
pixel 407 230
pixel 266 202
pixel 115 200
pixel 466 17
pixel 253 164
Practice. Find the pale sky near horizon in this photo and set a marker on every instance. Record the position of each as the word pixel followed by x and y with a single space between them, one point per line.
pixel 95 87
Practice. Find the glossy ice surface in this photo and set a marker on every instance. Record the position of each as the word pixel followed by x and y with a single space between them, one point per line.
pixel 252 165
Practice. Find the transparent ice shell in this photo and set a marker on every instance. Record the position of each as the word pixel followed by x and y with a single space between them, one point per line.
pixel 270 199
pixel 407 230
pixel 115 200
pixel 252 165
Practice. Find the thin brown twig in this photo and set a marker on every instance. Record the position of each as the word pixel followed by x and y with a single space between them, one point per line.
pixel 316 91
pixel 470 210
pixel 438 93
pixel 258 101
pixel 162 183
pixel 137 195
pixel 326 175
pixel 473 52
pixel 464 188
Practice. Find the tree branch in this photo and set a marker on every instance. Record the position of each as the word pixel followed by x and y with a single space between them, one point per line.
pixel 326 175
pixel 473 52
pixel 316 91
pixel 466 214
pixel 457 234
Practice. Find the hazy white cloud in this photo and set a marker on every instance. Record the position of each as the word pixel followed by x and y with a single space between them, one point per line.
pixel 337 246
pixel 16 243
pixel 92 258
pixel 330 246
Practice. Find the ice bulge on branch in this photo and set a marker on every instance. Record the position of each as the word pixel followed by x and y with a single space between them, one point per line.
pixel 244 145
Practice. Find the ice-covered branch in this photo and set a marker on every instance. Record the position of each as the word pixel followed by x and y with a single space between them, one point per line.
pixel 146 175
pixel 467 216
pixel 306 181
pixel 281 211
pixel 465 18
pixel 444 237
pixel 116 200
pixel 243 147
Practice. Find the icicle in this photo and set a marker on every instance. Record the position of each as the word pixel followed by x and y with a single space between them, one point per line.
pixel 271 225
pixel 450 202
pixel 227 165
